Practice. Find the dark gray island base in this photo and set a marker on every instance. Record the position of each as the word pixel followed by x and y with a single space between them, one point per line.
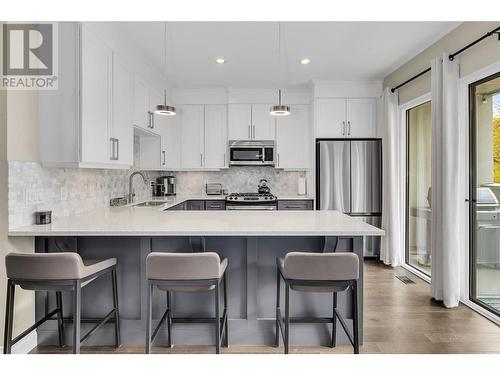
pixel 251 290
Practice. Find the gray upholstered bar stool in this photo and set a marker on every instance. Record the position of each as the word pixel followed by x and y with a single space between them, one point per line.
pixel 57 272
pixel 186 272
pixel 318 272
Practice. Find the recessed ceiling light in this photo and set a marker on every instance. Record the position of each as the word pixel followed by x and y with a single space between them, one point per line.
pixel 220 60
pixel 305 61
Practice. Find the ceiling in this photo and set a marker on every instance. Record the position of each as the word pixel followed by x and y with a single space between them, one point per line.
pixel 338 50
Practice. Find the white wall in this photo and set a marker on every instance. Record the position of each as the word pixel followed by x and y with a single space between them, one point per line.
pixel 479 56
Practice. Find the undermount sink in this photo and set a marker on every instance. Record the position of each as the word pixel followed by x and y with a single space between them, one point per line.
pixel 150 204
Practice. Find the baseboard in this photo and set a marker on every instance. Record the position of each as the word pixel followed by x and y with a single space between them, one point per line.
pixel 26 345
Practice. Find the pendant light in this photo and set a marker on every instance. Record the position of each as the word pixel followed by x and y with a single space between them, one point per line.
pixel 280 109
pixel 164 109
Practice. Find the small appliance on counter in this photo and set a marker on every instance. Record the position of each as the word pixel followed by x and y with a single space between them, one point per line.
pixel 263 188
pixel 165 186
pixel 43 217
pixel 213 189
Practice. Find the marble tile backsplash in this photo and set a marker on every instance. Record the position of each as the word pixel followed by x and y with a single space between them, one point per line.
pixel 240 179
pixel 69 191
pixel 65 191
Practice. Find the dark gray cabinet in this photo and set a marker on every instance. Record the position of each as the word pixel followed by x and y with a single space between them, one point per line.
pixel 215 205
pixel 295 204
pixel 178 207
pixel 198 205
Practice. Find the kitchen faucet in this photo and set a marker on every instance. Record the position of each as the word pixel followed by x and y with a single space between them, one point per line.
pixel 130 196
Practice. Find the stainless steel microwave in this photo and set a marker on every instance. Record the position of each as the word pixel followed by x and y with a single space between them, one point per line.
pixel 251 153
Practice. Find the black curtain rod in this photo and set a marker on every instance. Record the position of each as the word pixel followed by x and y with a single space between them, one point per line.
pixel 495 31
pixel 452 56
pixel 411 79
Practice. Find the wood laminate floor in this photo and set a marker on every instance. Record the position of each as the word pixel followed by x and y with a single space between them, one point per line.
pixel 398 318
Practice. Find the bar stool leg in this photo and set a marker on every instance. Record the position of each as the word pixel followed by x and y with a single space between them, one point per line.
pixel 60 324
pixel 278 287
pixel 169 319
pixel 217 319
pixel 9 318
pixel 355 319
pixel 148 317
pixel 226 322
pixel 116 307
pixel 76 316
pixel 334 322
pixel 287 317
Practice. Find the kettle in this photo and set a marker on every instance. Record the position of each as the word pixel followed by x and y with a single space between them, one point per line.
pixel 263 188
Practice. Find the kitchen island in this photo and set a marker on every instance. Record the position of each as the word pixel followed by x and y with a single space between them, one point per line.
pixel 250 240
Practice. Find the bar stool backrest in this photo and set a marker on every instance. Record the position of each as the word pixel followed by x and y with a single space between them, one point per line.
pixel 183 266
pixel 49 266
pixel 321 266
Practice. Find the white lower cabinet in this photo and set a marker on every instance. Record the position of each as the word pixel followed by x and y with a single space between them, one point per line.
pixel 293 139
pixel 87 122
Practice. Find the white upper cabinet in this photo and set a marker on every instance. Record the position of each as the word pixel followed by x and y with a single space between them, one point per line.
pixel 215 136
pixel 293 139
pixel 330 118
pixel 250 122
pixel 122 135
pixel 346 118
pixel 146 99
pixel 263 124
pixel 96 114
pixel 170 142
pixel 361 118
pixel 192 145
pixel 141 103
pixel 155 98
pixel 239 122
pixel 87 122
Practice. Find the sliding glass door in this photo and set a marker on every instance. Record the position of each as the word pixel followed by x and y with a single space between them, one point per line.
pixel 418 187
pixel 484 100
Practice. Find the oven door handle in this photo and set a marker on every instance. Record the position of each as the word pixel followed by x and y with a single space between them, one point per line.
pixel 249 208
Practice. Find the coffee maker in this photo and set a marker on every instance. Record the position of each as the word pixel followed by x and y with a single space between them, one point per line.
pixel 165 186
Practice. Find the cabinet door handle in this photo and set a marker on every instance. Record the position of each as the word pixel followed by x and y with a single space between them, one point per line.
pixel 112 146
pixel 278 160
pixel 253 131
pixel 201 160
pixel 224 160
pixel 117 149
pixel 343 127
pixel 150 120
pixel 164 157
pixel 348 128
pixel 249 132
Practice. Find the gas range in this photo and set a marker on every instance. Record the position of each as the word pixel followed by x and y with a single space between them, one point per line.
pixel 250 201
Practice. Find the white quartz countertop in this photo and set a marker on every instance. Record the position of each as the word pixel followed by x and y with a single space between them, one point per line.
pixel 152 221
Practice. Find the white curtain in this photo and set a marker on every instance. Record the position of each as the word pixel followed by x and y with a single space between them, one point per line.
pixel 392 246
pixel 447 195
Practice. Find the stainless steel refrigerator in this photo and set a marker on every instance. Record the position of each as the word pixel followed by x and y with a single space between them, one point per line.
pixel 349 179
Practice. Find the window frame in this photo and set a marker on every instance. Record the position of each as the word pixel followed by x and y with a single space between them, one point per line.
pixel 404 125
